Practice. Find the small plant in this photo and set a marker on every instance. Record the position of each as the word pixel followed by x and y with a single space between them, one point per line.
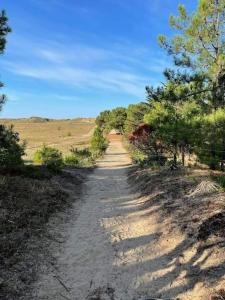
pixel 50 157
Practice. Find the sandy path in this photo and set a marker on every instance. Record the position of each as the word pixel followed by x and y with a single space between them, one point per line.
pixel 112 250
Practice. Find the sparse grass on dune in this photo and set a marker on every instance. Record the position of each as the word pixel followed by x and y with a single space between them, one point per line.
pixel 190 203
pixel 61 134
pixel 27 204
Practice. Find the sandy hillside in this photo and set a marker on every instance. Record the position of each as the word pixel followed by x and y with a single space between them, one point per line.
pixel 118 248
pixel 61 134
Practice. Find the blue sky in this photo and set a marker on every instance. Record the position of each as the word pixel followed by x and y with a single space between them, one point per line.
pixel 75 58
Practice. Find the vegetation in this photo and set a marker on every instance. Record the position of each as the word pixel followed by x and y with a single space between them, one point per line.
pixel 79 158
pixel 114 119
pixel 186 114
pixel 98 143
pixel 4 30
pixel 103 120
pixel 11 151
pixel 117 119
pixel 61 134
pixel 50 157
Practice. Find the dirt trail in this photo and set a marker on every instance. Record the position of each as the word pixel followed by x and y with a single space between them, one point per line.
pixel 112 250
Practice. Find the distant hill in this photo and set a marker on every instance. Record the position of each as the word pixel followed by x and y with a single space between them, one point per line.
pixel 35 119
pixel 62 134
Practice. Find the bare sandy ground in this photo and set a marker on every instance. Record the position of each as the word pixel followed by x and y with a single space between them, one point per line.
pixel 114 251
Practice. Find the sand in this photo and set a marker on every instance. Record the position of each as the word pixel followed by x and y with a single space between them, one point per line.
pixel 112 250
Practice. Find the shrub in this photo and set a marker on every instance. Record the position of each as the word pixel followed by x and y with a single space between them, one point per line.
pixel 98 143
pixel 79 158
pixel 81 153
pixel 11 151
pixel 50 157
pixel 71 161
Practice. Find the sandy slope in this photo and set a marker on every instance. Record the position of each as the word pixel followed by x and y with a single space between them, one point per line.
pixel 113 250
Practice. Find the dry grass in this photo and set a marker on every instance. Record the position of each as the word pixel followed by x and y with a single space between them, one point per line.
pixel 189 201
pixel 61 134
pixel 26 205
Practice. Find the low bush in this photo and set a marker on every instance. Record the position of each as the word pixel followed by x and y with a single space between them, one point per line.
pixel 79 158
pixel 50 157
pixel 11 151
pixel 71 161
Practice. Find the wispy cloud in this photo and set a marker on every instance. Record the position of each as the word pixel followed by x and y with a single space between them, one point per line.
pixel 18 96
pixel 52 56
pixel 119 69
pixel 82 78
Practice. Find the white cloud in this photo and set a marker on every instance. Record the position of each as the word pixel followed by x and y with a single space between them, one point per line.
pixel 52 56
pixel 21 95
pixel 103 79
pixel 121 68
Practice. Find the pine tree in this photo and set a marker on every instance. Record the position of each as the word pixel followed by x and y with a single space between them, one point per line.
pixel 200 44
pixel 4 30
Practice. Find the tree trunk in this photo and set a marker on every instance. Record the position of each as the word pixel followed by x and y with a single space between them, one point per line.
pixel 222 155
pixel 213 158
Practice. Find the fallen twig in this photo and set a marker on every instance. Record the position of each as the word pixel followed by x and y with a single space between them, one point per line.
pixel 61 282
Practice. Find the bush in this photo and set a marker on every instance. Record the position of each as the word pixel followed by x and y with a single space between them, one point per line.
pixel 11 151
pixel 50 157
pixel 81 153
pixel 79 158
pixel 71 161
pixel 99 143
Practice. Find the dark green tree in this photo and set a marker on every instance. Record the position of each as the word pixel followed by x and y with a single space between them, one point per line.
pixel 135 115
pixel 4 30
pixel 173 125
pixel 200 44
pixel 117 118
pixel 102 120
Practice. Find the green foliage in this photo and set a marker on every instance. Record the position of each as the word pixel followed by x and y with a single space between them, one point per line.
pixel 187 111
pixel 79 158
pixel 210 139
pixel 173 124
pixel 98 143
pixel 11 151
pixel 50 157
pixel 135 115
pixel 4 30
pixel 220 180
pixel 138 157
pixel 103 120
pixel 117 118
pixel 114 119
pixel 72 161
pixel 199 44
